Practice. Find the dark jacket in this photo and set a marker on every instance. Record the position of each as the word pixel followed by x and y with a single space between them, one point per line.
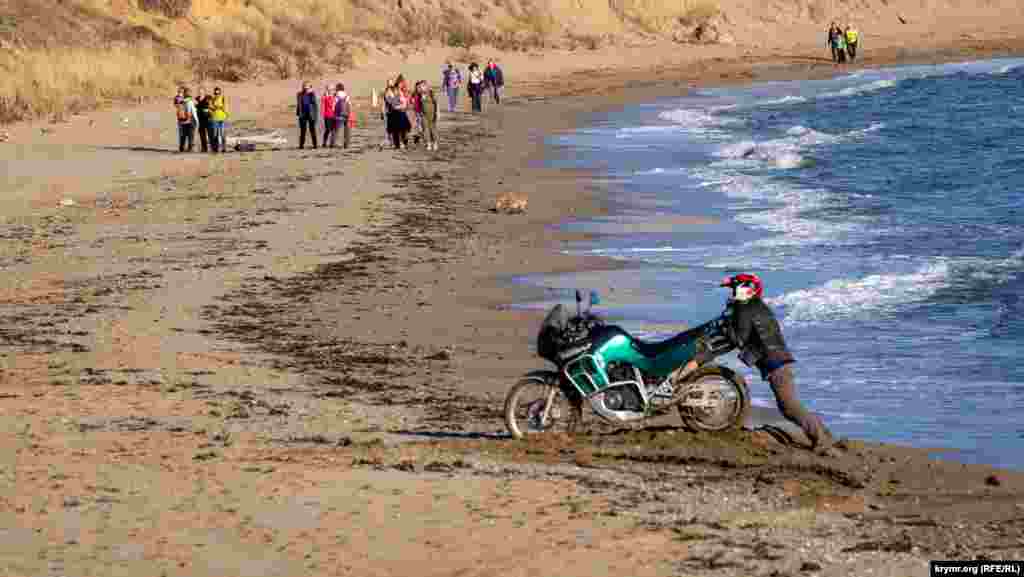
pixel 752 328
pixel 493 76
pixel 203 110
pixel 306 105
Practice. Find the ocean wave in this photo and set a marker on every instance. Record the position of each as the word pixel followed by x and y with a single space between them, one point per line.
pixel 613 252
pixel 861 89
pixel 698 121
pixel 872 294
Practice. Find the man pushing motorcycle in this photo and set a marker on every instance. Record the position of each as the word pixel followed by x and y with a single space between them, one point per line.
pixel 753 329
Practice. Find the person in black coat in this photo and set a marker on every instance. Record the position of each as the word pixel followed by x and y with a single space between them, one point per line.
pixel 307 110
pixel 494 80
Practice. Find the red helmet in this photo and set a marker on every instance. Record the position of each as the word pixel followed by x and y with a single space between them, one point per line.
pixel 744 286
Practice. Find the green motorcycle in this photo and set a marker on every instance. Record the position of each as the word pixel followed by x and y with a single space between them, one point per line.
pixel 624 379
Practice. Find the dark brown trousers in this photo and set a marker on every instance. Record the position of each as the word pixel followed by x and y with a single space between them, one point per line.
pixel 784 386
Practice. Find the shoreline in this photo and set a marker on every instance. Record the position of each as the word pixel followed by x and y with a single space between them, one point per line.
pixel 524 293
pixel 293 362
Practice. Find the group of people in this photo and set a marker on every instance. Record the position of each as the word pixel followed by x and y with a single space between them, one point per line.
pixel 406 111
pixel 843 42
pixel 490 80
pixel 412 113
pixel 402 106
pixel 335 107
pixel 206 113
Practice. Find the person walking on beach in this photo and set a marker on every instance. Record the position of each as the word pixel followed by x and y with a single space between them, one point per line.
pixel 494 80
pixel 833 40
pixel 754 330
pixel 330 122
pixel 451 80
pixel 396 118
pixel 218 119
pixel 852 38
pixel 417 106
pixel 476 87
pixel 188 119
pixel 838 44
pixel 429 106
pixel 342 115
pixel 307 113
pixel 203 113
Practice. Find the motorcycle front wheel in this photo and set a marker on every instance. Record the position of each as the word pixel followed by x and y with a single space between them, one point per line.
pixel 536 405
pixel 714 399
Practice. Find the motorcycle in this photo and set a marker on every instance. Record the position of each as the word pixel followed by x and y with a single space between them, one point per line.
pixel 624 379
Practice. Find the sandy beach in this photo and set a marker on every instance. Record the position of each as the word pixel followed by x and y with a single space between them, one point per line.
pixel 289 362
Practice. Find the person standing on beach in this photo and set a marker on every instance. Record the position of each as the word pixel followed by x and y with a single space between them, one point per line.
pixel 476 87
pixel 831 41
pixel 494 80
pixel 203 113
pixel 839 45
pixel 396 118
pixel 330 122
pixel 754 330
pixel 218 118
pixel 451 80
pixel 429 106
pixel 307 113
pixel 417 106
pixel 852 38
pixel 342 114
pixel 185 110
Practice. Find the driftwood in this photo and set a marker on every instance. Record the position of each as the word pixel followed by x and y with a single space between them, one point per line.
pixel 251 142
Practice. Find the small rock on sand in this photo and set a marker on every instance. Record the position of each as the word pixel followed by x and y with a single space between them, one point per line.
pixel 993 481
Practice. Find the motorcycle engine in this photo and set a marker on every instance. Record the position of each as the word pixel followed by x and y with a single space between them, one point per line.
pixel 623 398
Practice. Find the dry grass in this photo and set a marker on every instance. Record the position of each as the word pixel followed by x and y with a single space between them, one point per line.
pixel 57 82
pixel 697 11
pixel 233 40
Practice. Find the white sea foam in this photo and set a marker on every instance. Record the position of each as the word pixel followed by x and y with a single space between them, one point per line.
pixel 861 89
pixel 852 298
pixel 787 99
pixel 701 121
pixel 612 252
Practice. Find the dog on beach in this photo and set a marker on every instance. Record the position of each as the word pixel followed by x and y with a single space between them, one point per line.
pixel 510 203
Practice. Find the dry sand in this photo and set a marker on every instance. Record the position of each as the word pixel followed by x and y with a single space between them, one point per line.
pixel 291 362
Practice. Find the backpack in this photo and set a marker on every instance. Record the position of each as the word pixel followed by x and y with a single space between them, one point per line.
pixel 183 116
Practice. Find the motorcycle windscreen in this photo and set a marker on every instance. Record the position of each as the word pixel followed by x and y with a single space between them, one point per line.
pixel 551 331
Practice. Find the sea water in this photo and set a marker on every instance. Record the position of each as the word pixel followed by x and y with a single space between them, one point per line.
pixel 882 209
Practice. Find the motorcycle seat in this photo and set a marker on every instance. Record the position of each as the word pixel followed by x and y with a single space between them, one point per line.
pixel 654 349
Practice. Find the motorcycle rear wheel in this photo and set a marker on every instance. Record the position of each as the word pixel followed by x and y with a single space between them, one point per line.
pixel 724 394
pixel 525 406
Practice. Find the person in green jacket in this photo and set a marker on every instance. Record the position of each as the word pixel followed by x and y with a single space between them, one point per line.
pixel 429 104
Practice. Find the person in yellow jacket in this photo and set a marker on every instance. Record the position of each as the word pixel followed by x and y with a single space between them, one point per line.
pixel 852 37
pixel 218 116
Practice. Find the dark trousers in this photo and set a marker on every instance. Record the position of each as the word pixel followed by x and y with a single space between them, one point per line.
pixel 330 131
pixel 477 95
pixel 784 386
pixel 307 123
pixel 186 137
pixel 496 93
pixel 205 135
pixel 851 49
